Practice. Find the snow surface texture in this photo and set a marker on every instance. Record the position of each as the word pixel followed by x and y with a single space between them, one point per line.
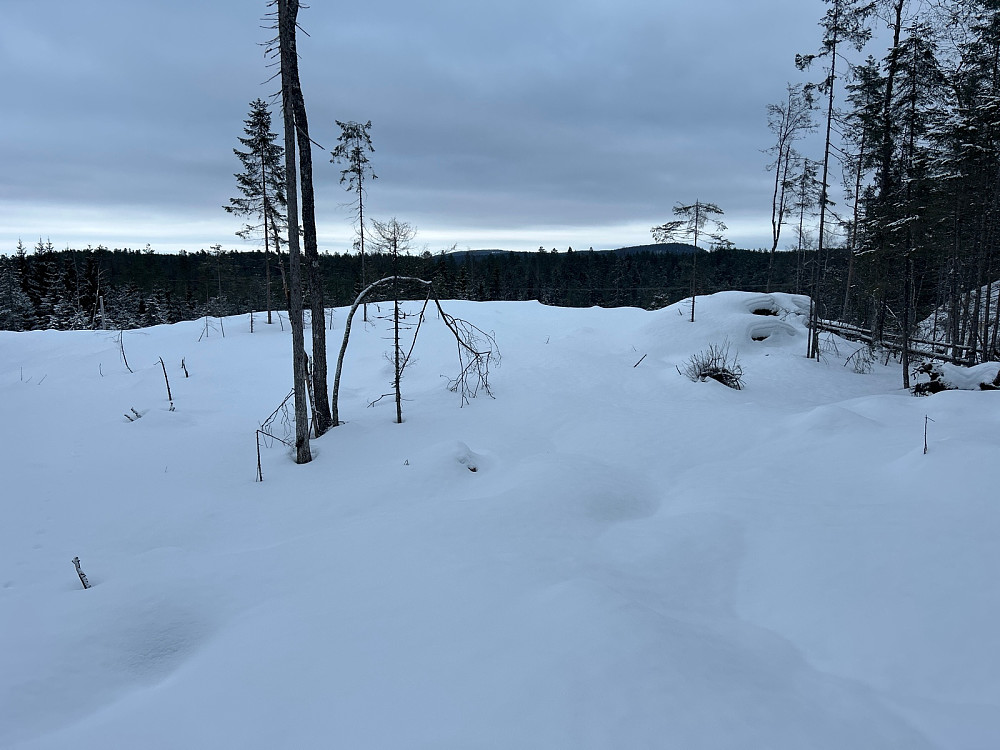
pixel 637 561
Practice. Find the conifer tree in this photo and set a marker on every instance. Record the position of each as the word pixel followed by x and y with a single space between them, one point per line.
pixel 16 310
pixel 845 23
pixel 861 135
pixel 262 184
pixel 697 219
pixel 353 146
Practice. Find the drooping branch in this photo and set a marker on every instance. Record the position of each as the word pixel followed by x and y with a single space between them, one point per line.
pixel 477 349
pixel 335 410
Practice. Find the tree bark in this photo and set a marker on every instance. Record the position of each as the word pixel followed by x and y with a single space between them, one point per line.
pixel 287 12
pixel 313 274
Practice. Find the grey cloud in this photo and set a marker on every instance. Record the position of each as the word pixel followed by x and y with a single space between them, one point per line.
pixel 497 116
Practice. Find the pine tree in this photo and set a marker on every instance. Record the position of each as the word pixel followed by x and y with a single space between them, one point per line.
pixel 697 217
pixel 353 146
pixel 262 184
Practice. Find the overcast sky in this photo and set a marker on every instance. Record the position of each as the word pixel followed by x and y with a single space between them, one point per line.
pixel 512 124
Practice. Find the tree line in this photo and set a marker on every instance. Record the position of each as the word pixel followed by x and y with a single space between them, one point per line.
pixel 894 217
pixel 63 289
pixel 912 136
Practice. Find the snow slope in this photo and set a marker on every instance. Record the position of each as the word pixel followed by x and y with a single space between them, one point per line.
pixel 638 561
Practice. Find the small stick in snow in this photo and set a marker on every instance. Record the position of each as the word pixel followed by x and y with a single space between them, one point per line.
pixel 121 345
pixel 926 420
pixel 170 398
pixel 639 362
pixel 79 572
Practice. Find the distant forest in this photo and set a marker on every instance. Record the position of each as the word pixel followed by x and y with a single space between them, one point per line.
pixel 63 289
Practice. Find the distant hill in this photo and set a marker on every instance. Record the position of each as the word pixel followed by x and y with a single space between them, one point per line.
pixel 659 248
pixel 481 253
pixel 671 248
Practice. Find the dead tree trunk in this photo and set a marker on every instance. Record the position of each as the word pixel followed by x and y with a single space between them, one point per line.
pixel 287 13
pixel 310 242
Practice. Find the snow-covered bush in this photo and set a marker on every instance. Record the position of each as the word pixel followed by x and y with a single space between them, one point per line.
pixel 715 363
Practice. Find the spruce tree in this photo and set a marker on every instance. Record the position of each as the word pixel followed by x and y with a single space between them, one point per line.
pixel 845 23
pixel 16 310
pixel 262 184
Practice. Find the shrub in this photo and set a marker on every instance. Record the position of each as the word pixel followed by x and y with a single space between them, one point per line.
pixel 715 363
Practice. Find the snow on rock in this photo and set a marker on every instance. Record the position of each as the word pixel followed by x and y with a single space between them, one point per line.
pixel 606 555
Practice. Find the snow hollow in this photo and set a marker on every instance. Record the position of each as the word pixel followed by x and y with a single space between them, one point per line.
pixel 637 560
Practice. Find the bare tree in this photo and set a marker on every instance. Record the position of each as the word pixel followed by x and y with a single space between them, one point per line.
pixel 309 240
pixel 394 236
pixel 287 12
pixel 789 121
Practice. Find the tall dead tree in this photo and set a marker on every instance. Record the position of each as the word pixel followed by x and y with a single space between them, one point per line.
pixel 314 276
pixel 394 236
pixel 287 13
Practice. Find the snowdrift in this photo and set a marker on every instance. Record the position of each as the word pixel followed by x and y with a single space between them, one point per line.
pixel 606 555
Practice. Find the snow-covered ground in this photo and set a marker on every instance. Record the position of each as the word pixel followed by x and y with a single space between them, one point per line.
pixel 638 561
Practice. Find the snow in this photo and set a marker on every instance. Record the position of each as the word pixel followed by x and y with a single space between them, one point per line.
pixel 964 378
pixel 637 561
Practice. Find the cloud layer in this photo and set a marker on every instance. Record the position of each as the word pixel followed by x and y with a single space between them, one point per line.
pixel 514 124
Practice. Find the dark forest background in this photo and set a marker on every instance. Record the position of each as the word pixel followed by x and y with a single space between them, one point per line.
pixel 62 289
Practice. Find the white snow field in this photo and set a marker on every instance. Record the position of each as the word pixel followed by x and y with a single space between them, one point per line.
pixel 638 561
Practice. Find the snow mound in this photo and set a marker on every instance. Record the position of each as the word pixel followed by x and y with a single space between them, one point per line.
pixel 946 376
pixel 605 555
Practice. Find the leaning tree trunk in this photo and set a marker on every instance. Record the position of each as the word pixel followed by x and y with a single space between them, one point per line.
pixel 287 12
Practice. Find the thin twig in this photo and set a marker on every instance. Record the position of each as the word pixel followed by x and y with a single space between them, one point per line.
pixel 121 344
